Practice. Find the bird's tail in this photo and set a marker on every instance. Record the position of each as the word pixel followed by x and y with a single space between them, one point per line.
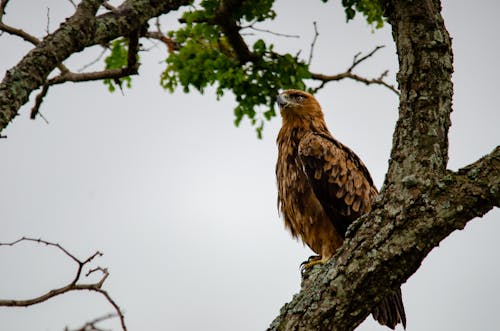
pixel 390 311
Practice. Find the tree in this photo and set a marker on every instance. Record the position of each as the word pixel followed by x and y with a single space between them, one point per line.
pixel 417 187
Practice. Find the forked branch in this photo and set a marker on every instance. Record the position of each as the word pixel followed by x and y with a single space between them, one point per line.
pixel 380 80
pixel 74 285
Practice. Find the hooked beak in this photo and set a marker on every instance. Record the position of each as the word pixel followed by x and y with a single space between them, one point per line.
pixel 281 100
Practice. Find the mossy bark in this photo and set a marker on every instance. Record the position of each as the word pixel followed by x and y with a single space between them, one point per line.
pixel 420 203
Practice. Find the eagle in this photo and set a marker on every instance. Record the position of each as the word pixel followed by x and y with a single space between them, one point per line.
pixel 323 186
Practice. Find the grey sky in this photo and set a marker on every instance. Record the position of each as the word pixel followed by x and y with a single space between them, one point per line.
pixel 183 204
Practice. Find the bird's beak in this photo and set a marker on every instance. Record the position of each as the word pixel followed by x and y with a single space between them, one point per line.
pixel 281 100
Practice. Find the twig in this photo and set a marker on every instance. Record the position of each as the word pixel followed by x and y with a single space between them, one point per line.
pixel 74 285
pixel 47 28
pixel 316 34
pixel 97 59
pixel 272 32
pixel 73 3
pixel 357 60
pixel 171 44
pixel 91 325
pixel 38 101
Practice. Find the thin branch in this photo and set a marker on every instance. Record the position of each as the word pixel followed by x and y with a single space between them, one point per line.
pixel 349 75
pixel 3 5
pixel 97 59
pixel 92 325
pixel 74 285
pixel 171 44
pixel 316 34
pixel 19 32
pixel 356 60
pixel 47 27
pixel 378 81
pixel 271 32
pixel 38 101
pixel 73 3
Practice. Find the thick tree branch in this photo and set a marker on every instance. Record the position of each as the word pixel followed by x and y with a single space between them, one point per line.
pixel 225 19
pixel 81 30
pixel 385 247
pixel 72 286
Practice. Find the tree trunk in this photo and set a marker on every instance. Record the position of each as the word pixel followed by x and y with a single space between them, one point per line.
pixel 420 203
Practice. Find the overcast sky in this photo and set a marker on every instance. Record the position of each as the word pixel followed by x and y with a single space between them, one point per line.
pixel 183 204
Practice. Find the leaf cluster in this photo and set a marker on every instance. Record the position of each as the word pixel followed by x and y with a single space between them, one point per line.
pixel 371 9
pixel 206 58
pixel 116 60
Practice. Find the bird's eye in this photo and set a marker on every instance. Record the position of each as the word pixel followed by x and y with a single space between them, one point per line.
pixel 299 97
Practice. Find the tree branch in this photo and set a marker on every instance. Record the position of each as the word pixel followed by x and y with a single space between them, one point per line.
pixel 71 286
pixel 224 18
pixel 385 247
pixel 313 43
pixel 349 75
pixel 92 325
pixel 85 30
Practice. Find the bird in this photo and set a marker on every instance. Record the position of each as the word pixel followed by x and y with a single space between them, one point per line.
pixel 323 187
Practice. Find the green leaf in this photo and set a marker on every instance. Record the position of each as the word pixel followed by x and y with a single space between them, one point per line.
pixel 116 60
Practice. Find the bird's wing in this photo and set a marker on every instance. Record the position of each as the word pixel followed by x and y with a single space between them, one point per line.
pixel 339 179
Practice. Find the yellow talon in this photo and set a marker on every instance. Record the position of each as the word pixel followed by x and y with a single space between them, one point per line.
pixel 311 262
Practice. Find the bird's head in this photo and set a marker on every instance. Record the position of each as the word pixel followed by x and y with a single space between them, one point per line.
pixel 296 105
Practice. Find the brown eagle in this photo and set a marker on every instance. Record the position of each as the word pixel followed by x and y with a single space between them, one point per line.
pixel 323 186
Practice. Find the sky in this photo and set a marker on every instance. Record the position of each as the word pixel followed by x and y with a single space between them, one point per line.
pixel 183 204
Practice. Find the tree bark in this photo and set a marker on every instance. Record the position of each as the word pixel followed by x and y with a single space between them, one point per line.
pixel 81 30
pixel 420 203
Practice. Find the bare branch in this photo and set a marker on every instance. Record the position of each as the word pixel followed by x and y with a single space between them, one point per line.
pixel 20 33
pixel 47 27
pixel 92 325
pixel 74 285
pixel 38 101
pixel 271 32
pixel 349 75
pixel 97 59
pixel 316 34
pixel 331 78
pixel 357 60
pixel 73 3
